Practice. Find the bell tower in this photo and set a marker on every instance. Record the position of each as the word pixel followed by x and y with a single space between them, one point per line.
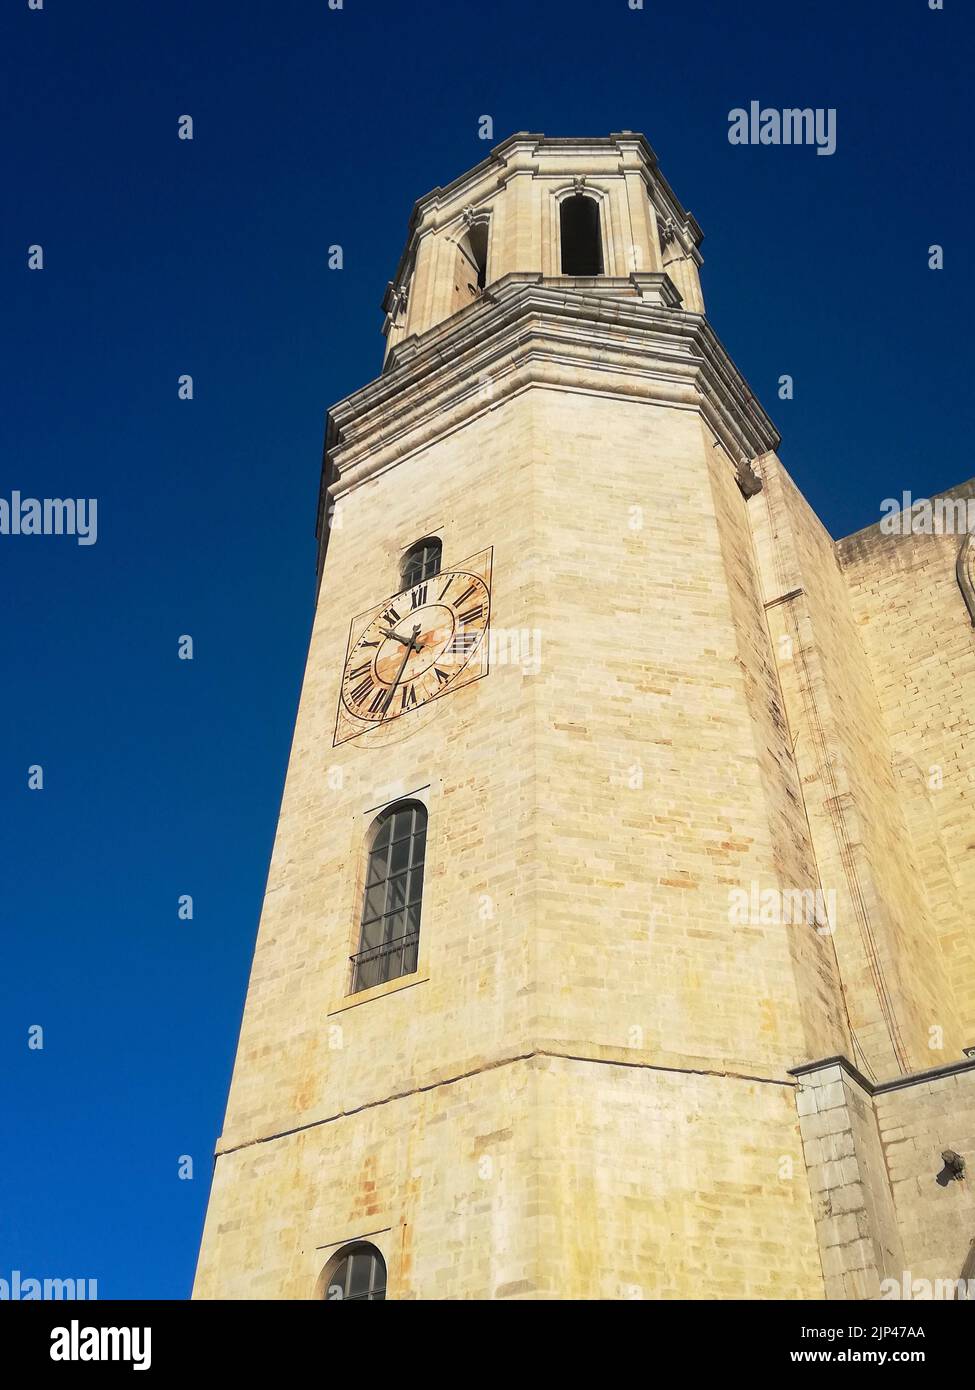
pixel 504 1035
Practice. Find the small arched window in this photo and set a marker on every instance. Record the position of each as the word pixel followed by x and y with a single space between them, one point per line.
pixel 473 249
pixel 389 933
pixel 470 265
pixel 582 245
pixel 421 561
pixel 357 1275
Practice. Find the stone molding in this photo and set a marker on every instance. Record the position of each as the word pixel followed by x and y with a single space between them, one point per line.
pixel 623 337
pixel 878 1088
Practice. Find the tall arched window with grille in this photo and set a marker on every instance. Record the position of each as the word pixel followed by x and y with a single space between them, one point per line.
pixel 357 1274
pixel 389 932
pixel 421 560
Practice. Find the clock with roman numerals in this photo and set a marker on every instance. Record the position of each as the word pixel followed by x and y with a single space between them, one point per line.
pixel 416 647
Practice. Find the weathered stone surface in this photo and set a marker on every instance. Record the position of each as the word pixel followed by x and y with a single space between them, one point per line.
pixel 586 1088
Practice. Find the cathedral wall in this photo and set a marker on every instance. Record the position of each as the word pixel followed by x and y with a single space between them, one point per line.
pixel 304 1052
pixel 889 1216
pixel 659 761
pixel 664 1185
pixel 443 1182
pixel 918 637
pixel 884 932
pixel 936 1214
pixel 824 1026
pixel 571 907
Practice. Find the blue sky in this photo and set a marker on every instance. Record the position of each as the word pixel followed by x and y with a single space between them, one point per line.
pixel 162 257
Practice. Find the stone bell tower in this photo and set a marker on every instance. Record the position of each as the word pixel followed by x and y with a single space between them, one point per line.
pixel 505 1036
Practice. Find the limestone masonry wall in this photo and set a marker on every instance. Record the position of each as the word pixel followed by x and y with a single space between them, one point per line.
pixel 918 636
pixel 606 1078
pixel 936 1214
pixel 896 979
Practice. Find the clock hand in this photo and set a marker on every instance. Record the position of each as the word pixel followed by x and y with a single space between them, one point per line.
pixel 402 667
pixel 406 641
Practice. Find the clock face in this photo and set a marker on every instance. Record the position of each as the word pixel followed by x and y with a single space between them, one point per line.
pixel 417 646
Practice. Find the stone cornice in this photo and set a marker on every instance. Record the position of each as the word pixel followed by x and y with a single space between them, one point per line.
pixel 620 337
pixel 880 1088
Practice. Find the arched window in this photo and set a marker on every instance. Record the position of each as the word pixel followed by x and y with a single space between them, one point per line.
pixel 357 1275
pixel 473 249
pixel 389 934
pixel 582 246
pixel 421 561
pixel 470 265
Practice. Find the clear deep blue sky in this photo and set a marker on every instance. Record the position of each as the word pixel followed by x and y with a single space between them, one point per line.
pixel 165 257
